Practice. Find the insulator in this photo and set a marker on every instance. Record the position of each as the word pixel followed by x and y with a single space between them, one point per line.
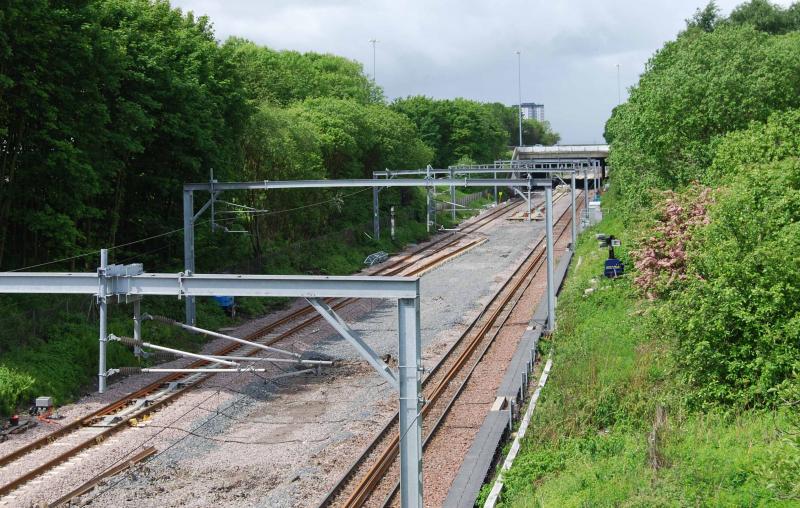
pixel 163 319
pixel 127 371
pixel 129 341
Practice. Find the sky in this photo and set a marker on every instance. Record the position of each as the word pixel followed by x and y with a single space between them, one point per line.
pixel 569 49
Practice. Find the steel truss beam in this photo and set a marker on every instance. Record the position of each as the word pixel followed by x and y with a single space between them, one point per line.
pixel 365 182
pixel 182 285
pixel 215 188
pixel 472 170
pixel 127 281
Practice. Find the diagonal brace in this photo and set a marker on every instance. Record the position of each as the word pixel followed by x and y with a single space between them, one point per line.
pixel 353 338
pixel 205 206
pixel 521 194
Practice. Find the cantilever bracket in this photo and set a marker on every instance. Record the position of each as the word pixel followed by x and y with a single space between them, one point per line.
pixel 353 338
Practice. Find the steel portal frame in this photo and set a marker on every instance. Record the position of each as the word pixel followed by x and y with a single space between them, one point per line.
pixel 214 188
pixel 515 167
pixel 128 283
pixel 511 166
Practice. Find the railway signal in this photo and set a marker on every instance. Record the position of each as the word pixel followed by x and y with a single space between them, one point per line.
pixel 613 267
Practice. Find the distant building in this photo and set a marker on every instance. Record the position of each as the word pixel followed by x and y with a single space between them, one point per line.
pixel 531 110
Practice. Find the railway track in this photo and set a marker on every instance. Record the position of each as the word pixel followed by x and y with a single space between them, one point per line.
pixel 98 426
pixel 378 463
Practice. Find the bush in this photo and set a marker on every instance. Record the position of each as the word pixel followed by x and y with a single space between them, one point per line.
pixel 13 386
pixel 774 140
pixel 737 320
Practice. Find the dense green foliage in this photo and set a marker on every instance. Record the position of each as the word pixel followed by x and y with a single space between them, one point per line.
pixel 767 16
pixel 774 140
pixel 107 107
pixel 718 105
pixel 736 318
pixel 595 439
pixel 284 77
pixel 762 15
pixel 460 129
pixel 694 90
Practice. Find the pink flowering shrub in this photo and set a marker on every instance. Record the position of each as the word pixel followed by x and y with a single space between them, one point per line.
pixel 660 259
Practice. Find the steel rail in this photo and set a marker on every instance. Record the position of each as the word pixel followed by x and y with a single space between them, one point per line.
pixel 374 476
pixel 86 487
pixel 478 224
pixel 540 261
pixel 155 386
pixel 380 467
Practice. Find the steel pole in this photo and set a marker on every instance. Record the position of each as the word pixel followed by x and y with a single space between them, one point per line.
pixel 391 223
pixel 495 189
pixel 586 195
pixel 597 180
pixel 453 197
pixel 428 212
pixel 376 217
pixel 551 290
pixel 572 208
pixel 137 327
pixel 528 219
pixel 103 314
pixel 519 90
pixel 188 248
pixel 409 367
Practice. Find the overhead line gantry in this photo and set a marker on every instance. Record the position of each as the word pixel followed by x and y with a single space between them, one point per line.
pixel 214 188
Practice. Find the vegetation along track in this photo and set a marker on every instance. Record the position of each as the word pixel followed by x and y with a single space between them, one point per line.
pixel 377 464
pixel 91 430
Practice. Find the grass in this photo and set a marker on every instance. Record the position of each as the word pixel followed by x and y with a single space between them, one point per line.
pixel 594 440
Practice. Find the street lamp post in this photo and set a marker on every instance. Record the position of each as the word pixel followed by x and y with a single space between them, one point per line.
pixel 519 92
pixel 373 41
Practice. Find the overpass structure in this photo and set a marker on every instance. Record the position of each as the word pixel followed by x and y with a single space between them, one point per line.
pixel 561 152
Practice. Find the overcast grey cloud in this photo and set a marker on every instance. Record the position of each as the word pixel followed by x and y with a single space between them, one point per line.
pixel 444 49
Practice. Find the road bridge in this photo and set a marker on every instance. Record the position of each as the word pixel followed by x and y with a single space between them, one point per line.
pixel 561 152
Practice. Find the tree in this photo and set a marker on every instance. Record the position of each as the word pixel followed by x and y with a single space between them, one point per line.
pixel 534 132
pixel 51 114
pixel 695 89
pixel 705 19
pixel 456 128
pixel 133 101
pixel 284 77
pixel 767 17
pixel 177 108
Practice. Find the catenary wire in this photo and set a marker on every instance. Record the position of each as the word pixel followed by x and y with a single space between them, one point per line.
pixel 172 232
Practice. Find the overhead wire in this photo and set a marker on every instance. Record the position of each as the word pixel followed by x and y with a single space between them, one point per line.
pixel 159 432
pixel 187 432
pixel 178 230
